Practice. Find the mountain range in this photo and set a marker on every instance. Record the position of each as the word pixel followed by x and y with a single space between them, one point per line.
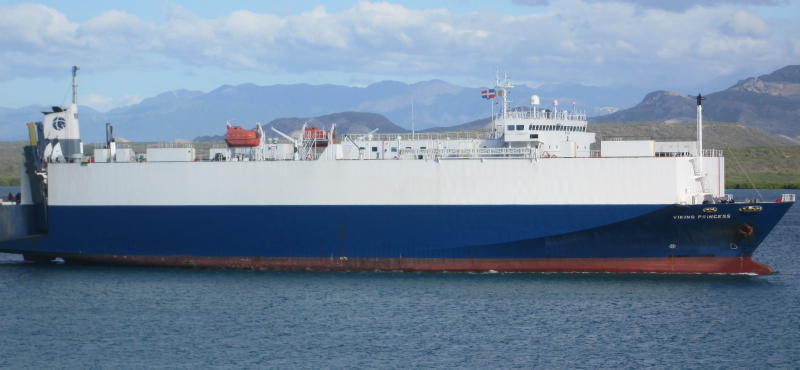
pixel 770 103
pixel 184 114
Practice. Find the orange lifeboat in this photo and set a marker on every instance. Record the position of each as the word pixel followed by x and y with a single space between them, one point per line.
pixel 239 137
pixel 319 136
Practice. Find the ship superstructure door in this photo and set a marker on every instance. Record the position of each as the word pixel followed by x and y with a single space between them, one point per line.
pixel 569 149
pixel 390 150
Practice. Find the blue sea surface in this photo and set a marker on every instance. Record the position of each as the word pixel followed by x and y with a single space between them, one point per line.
pixel 68 317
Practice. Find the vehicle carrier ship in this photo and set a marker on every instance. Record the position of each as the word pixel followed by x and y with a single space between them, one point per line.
pixel 529 195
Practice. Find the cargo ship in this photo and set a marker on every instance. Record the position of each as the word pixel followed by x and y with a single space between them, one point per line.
pixel 528 195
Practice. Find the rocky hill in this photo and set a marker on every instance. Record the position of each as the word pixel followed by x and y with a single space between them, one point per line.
pixel 664 106
pixel 770 103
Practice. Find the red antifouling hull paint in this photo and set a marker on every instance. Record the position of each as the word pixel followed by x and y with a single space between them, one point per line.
pixel 675 265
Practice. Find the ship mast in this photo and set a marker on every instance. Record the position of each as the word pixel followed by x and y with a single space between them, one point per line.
pixel 503 91
pixel 700 99
pixel 75 84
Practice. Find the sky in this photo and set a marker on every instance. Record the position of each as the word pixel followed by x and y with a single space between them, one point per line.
pixel 131 50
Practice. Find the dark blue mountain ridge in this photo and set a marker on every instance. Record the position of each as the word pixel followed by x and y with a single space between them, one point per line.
pixel 185 114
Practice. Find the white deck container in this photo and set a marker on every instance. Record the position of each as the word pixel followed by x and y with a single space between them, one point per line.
pixel 170 154
pixel 639 148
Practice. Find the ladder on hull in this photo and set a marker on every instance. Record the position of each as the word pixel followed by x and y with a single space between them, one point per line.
pixel 698 173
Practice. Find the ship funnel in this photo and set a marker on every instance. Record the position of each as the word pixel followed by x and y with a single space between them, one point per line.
pixel 535 100
pixel 109 134
pixel 61 130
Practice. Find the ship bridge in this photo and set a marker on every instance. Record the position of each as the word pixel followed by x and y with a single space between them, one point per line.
pixel 555 133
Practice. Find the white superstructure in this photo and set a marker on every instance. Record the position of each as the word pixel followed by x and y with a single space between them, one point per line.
pixel 529 156
pixel 435 181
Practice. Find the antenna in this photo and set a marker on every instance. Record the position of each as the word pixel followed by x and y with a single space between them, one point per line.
pixel 412 119
pixel 75 84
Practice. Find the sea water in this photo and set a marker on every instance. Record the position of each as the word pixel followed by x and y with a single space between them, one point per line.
pixel 61 316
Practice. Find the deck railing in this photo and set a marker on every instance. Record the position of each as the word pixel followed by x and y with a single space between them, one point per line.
pixel 478 135
pixel 171 145
pixel 495 153
pixel 544 114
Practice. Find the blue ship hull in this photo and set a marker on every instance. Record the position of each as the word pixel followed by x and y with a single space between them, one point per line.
pixel 506 233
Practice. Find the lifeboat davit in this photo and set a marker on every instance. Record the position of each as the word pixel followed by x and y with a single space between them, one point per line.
pixel 319 136
pixel 239 137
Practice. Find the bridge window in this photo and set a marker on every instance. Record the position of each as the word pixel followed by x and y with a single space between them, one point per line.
pixel 374 148
pixel 510 128
pixel 520 127
pixel 394 149
pixel 534 136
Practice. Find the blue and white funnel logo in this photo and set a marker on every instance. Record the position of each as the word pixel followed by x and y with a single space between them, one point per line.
pixel 59 123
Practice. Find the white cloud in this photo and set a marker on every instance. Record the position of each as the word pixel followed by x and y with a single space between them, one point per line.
pixel 130 100
pixel 97 102
pixel 591 42
pixel 746 24
pixel 104 103
pixel 675 5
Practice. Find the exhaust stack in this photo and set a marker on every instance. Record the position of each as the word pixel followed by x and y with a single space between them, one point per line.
pixel 62 138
